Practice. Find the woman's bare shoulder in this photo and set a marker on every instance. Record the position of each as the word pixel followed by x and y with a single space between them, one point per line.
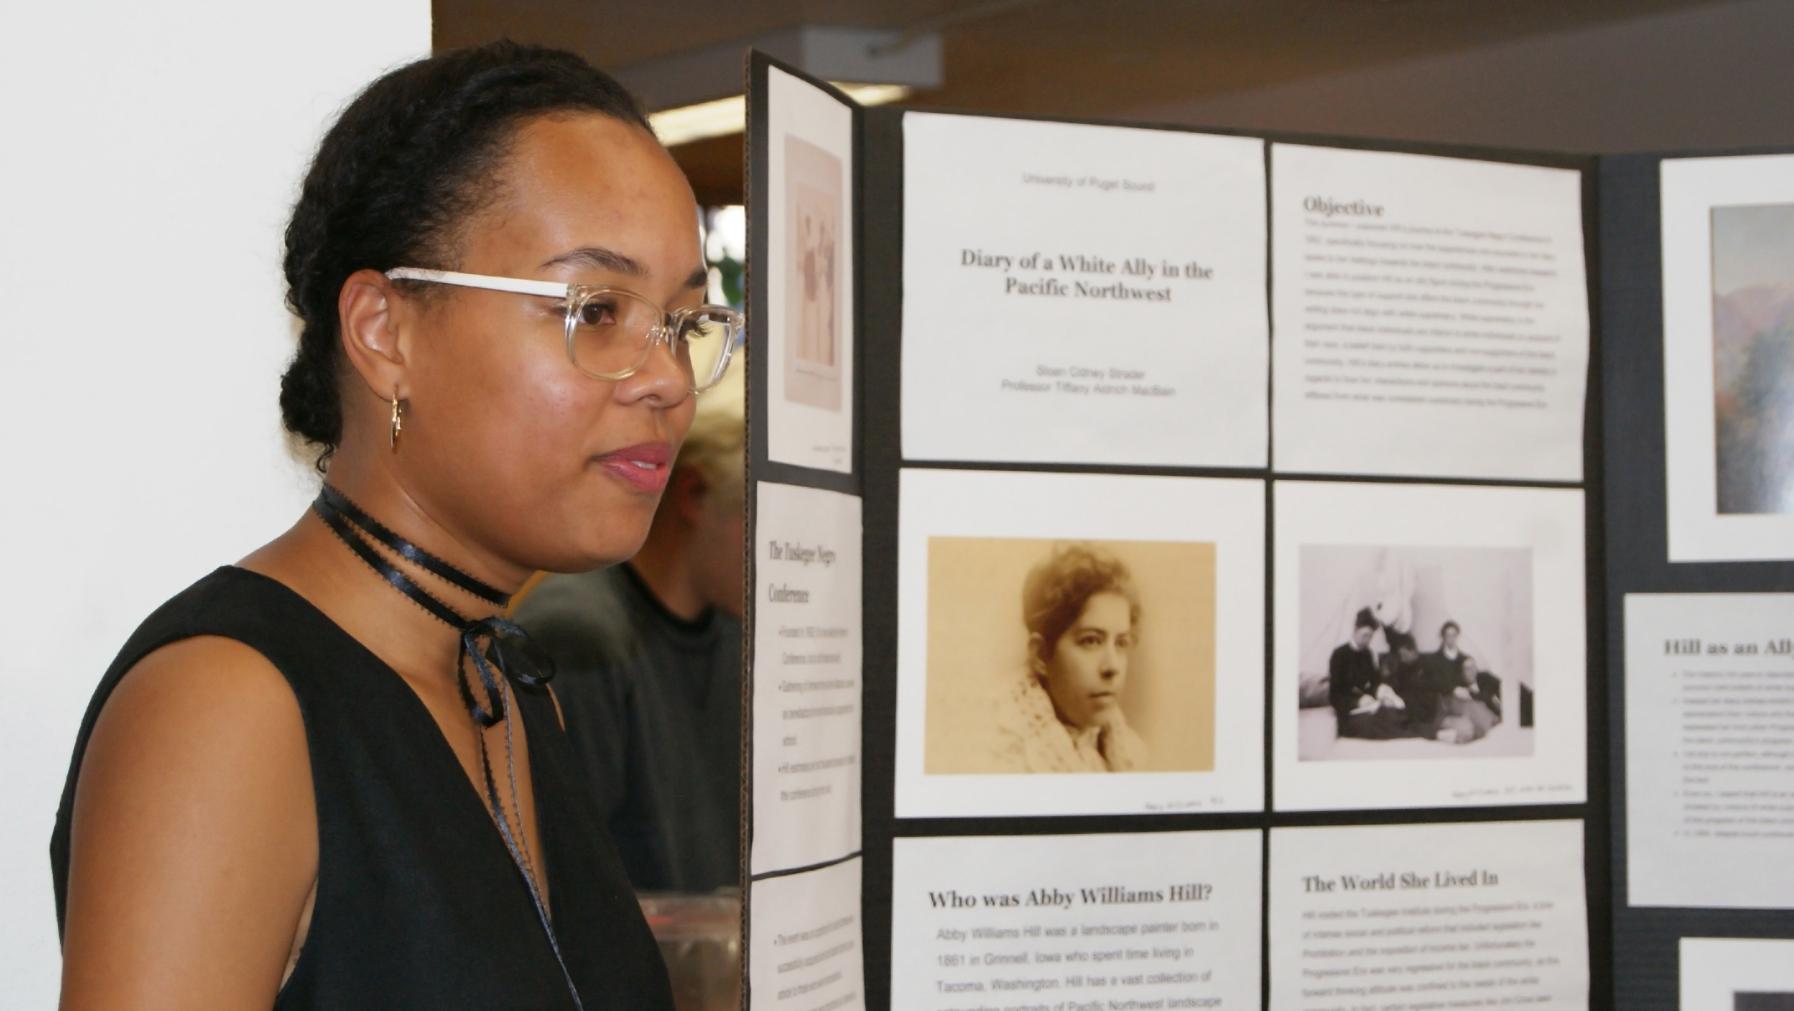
pixel 191 705
pixel 193 844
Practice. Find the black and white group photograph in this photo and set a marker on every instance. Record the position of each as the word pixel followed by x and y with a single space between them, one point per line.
pixel 1415 652
pixel 1429 645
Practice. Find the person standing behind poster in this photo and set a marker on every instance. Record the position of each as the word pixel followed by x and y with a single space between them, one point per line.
pixel 648 655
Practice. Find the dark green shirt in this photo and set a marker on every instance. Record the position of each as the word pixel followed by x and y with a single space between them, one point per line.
pixel 653 707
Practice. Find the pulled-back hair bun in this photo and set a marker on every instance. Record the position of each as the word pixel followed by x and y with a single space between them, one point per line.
pixel 396 177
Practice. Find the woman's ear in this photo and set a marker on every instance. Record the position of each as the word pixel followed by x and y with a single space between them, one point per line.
pixel 368 313
pixel 1037 654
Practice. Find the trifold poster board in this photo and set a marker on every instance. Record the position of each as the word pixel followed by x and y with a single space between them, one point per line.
pixel 1180 575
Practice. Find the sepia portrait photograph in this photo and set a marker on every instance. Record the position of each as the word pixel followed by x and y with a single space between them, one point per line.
pixel 1070 656
pixel 814 194
pixel 1414 652
pixel 1075 644
pixel 1753 358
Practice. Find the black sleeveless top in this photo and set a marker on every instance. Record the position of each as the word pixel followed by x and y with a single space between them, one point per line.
pixel 418 903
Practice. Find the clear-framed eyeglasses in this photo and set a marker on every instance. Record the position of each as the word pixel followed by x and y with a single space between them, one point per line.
pixel 610 332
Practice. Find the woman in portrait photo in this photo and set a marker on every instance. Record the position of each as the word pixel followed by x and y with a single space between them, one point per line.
pixel 331 775
pixel 1064 713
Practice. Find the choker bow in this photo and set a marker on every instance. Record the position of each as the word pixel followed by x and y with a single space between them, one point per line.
pixel 496 649
pixel 491 646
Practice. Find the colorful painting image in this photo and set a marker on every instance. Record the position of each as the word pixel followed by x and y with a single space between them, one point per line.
pixel 814 276
pixel 1753 357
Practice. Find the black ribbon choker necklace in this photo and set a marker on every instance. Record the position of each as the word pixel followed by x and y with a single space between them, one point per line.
pixel 498 650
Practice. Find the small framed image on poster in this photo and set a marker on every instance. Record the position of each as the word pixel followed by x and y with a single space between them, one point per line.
pixel 1079 644
pixel 1728 357
pixel 1430 646
pixel 808 331
pixel 1736 974
pixel 813 184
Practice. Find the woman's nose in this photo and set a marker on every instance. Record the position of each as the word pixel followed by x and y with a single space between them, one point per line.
pixel 661 378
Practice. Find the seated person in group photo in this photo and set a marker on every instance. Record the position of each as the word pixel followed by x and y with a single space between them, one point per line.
pixel 1404 669
pixel 1465 694
pixel 1064 713
pixel 1443 695
pixel 1443 664
pixel 1364 704
pixel 1467 712
pixel 648 660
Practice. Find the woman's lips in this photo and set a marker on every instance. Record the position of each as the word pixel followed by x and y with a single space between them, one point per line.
pixel 644 468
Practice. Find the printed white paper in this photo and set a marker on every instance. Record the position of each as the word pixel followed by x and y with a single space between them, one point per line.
pixel 1710 750
pixel 809 292
pixel 1082 294
pixel 1168 920
pixel 1728 327
pixel 807 663
pixel 980 732
pixel 1504 720
pixel 1736 974
pixel 805 941
pixel 1412 917
pixel 1432 316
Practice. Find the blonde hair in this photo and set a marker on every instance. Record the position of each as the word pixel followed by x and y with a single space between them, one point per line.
pixel 715 447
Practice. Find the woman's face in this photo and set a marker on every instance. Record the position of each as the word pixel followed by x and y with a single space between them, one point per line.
pixel 509 445
pixel 1088 665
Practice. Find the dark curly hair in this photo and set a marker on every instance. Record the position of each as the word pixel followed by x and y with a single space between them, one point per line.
pixel 395 179
pixel 1056 590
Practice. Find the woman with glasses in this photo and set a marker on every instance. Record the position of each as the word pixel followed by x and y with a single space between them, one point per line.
pixel 331 775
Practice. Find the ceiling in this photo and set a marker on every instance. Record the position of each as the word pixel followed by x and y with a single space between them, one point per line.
pixel 1077 58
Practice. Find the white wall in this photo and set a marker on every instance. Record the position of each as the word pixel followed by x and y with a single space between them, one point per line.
pixel 1718 75
pixel 151 154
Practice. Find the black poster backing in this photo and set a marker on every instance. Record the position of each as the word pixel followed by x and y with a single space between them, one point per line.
pixel 1631 952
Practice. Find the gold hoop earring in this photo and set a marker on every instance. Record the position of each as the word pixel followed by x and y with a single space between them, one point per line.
pixel 398 420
